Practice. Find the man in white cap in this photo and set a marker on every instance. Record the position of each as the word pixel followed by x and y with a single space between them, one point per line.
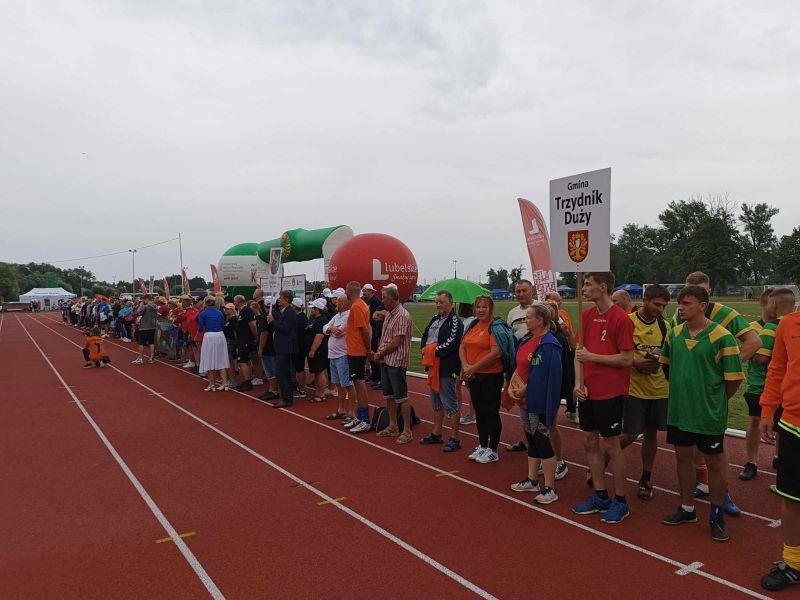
pixel 370 296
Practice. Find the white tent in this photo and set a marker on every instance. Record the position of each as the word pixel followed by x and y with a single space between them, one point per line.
pixel 49 297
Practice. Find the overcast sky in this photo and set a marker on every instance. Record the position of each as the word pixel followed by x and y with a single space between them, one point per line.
pixel 122 123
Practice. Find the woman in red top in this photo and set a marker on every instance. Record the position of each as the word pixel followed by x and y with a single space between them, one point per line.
pixel 482 369
pixel 192 349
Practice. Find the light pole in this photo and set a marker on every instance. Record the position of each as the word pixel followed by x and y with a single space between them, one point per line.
pixel 455 269
pixel 80 275
pixel 133 270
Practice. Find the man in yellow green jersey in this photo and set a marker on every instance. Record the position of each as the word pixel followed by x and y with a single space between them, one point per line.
pixel 704 370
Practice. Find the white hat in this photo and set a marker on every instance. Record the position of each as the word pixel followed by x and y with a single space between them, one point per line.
pixel 319 304
pixel 267 300
pixel 298 302
pixel 368 286
pixel 390 285
pixel 338 293
pixel 326 292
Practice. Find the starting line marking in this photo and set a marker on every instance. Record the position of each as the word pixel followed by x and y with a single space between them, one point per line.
pixel 446 473
pixel 427 559
pixel 690 568
pixel 182 536
pixel 332 500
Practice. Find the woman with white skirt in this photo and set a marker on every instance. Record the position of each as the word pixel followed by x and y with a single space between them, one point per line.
pixel 214 351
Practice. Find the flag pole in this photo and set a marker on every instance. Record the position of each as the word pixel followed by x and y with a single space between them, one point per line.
pixel 180 253
pixel 579 333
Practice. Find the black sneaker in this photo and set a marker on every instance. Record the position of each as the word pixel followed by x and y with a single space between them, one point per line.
pixel 775 462
pixel 267 396
pixel 718 531
pixel 680 517
pixel 750 470
pixel 245 386
pixel 431 438
pixel 780 577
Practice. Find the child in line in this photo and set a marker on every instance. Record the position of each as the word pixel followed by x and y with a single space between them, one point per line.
pixel 95 350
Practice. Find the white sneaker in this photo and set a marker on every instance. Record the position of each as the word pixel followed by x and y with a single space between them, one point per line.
pixel 351 423
pixel 548 496
pixel 466 419
pixel 137 361
pixel 334 393
pixel 189 365
pixel 526 485
pixel 561 470
pixel 360 428
pixel 257 381
pixel 126 339
pixel 479 450
pixel 488 456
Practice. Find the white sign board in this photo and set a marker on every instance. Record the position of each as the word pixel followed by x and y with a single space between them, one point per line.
pixel 296 283
pixel 580 222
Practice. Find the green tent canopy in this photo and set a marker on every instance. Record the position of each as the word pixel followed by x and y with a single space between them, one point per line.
pixel 462 290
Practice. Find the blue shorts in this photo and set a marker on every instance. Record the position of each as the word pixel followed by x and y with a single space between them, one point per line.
pixel 340 372
pixel 446 396
pixel 268 362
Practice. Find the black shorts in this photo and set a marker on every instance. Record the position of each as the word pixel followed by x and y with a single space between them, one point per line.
pixel 707 444
pixel 788 480
pixel 243 353
pixel 753 407
pixel 318 363
pixel 147 337
pixel 644 413
pixel 777 418
pixel 604 416
pixel 299 363
pixel 357 365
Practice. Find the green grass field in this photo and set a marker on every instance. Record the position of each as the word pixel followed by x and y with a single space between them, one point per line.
pixel 421 313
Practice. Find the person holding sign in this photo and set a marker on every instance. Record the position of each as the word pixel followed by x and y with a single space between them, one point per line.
pixel 606 355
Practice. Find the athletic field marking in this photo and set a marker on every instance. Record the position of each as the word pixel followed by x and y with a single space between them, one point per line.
pixel 331 501
pixel 360 518
pixel 212 588
pixel 770 521
pixel 578 525
pixel 776 523
pixel 182 536
pixel 446 473
pixel 690 568
pixel 295 485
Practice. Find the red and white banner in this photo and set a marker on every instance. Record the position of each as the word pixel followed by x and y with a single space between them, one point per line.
pixel 166 288
pixel 185 280
pixel 538 244
pixel 215 279
pixel 142 286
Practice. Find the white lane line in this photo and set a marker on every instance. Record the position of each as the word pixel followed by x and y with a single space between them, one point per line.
pixel 565 520
pixel 301 482
pixel 209 584
pixel 770 521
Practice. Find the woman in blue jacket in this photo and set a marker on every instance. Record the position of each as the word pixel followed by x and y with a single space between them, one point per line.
pixel 536 385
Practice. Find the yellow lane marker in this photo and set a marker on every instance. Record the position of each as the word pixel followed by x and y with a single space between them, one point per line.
pixel 446 473
pixel 339 499
pixel 182 535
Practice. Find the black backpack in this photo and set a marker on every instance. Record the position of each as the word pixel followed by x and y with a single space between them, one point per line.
pixel 380 419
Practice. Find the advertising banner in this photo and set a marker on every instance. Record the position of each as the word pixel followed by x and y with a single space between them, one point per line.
pixel 538 243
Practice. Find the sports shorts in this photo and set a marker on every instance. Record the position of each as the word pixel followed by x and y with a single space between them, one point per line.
pixel 644 413
pixel 788 480
pixel 357 366
pixel 753 407
pixel 147 337
pixel 707 444
pixel 604 416
pixel 395 386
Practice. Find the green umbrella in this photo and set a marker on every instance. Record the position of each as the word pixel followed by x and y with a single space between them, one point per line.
pixel 462 290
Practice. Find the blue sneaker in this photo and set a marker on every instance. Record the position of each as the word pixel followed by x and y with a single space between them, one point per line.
pixel 592 504
pixel 616 513
pixel 730 507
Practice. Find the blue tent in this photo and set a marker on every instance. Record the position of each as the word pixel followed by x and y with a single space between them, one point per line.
pixel 500 294
pixel 634 289
pixel 565 288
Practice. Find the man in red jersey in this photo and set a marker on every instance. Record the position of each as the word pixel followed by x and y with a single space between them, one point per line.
pixel 605 355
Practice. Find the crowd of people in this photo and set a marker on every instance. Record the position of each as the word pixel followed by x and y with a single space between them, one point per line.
pixel 631 374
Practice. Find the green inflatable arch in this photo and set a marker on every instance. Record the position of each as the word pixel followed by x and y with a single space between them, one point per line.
pixel 241 266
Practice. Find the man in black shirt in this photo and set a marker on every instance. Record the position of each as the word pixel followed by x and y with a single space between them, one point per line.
pixel 266 351
pixel 371 297
pixel 245 341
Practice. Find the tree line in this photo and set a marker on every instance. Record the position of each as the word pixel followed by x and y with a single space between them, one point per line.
pixel 18 278
pixel 734 245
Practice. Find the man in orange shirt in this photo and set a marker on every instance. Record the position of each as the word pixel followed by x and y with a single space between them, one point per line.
pixel 782 387
pixel 95 351
pixel 359 341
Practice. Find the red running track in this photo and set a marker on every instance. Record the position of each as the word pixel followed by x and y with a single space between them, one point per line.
pixel 416 526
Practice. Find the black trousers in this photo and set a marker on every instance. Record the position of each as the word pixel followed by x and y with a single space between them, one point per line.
pixel 283 372
pixel 485 389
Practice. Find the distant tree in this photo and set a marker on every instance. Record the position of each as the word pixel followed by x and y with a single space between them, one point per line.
pixel 568 279
pixel 515 275
pixel 787 258
pixel 9 284
pixel 759 240
pixel 498 279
